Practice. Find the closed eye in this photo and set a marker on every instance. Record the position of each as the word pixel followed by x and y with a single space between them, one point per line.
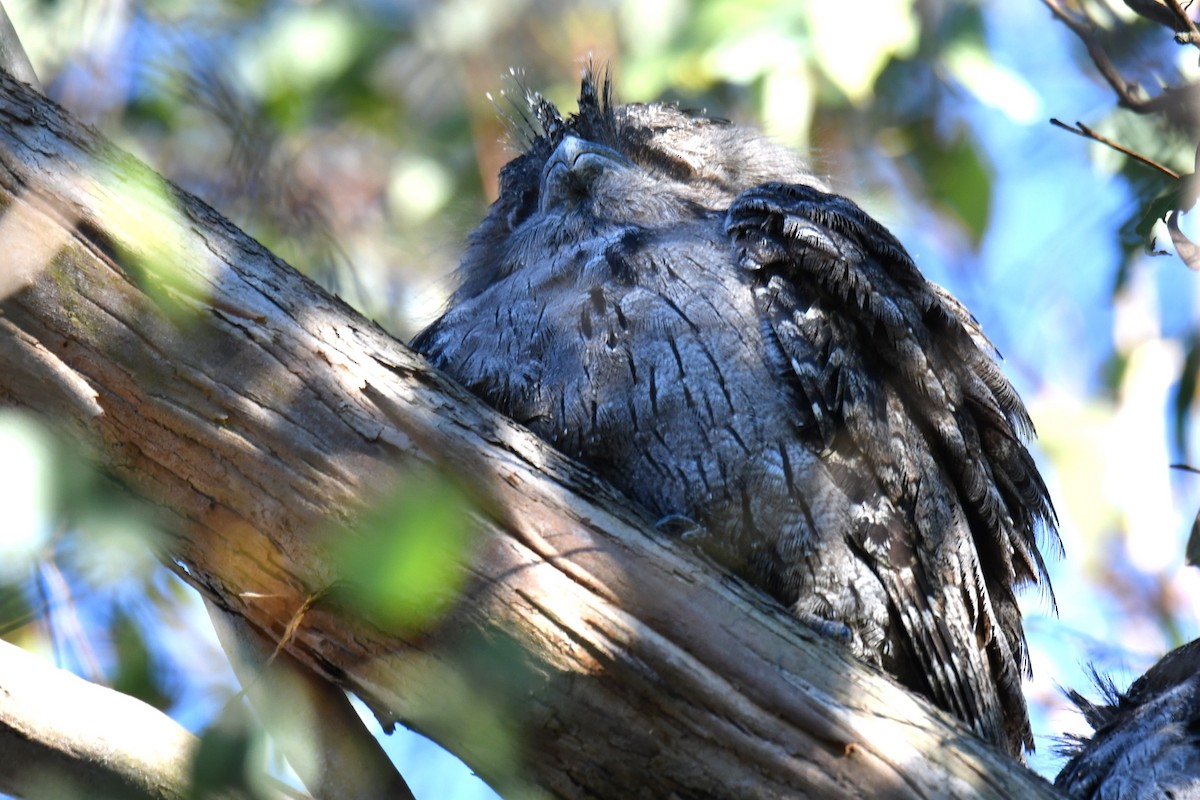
pixel 665 163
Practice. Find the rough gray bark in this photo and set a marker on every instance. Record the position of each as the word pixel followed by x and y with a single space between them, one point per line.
pixel 262 414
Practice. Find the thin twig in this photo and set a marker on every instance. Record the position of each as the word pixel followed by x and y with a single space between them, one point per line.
pixel 1128 93
pixel 1189 34
pixel 1083 130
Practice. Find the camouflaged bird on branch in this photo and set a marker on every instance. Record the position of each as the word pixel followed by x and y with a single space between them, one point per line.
pixel 676 302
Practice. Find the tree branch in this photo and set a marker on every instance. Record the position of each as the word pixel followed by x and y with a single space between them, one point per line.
pixel 1184 25
pixel 60 734
pixel 1079 129
pixel 1176 102
pixel 263 414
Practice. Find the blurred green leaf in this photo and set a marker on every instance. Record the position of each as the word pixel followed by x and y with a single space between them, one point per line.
pixel 15 610
pixel 137 673
pixel 1192 550
pixel 143 217
pixel 958 179
pixel 486 679
pixel 229 755
pixel 889 31
pixel 27 479
pixel 300 50
pixel 401 565
pixel 1185 394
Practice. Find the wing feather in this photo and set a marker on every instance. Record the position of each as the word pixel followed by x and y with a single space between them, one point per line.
pixel 899 375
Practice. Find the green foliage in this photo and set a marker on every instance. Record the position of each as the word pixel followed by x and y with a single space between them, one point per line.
pixel 138 673
pixel 484 667
pixel 958 180
pixel 1185 394
pixel 143 217
pixel 230 757
pixel 401 565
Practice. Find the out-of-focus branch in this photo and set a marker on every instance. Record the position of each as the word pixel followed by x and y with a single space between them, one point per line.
pixel 1129 94
pixel 1176 102
pixel 337 757
pixel 1170 15
pixel 1178 105
pixel 62 736
pixel 1185 30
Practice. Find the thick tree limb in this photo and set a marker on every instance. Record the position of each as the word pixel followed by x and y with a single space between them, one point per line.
pixel 62 736
pixel 263 414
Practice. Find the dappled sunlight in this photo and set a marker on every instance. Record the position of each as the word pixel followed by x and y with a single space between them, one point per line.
pixel 30 244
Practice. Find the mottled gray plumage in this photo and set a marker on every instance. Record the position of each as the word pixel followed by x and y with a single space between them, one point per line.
pixel 1146 742
pixel 677 303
